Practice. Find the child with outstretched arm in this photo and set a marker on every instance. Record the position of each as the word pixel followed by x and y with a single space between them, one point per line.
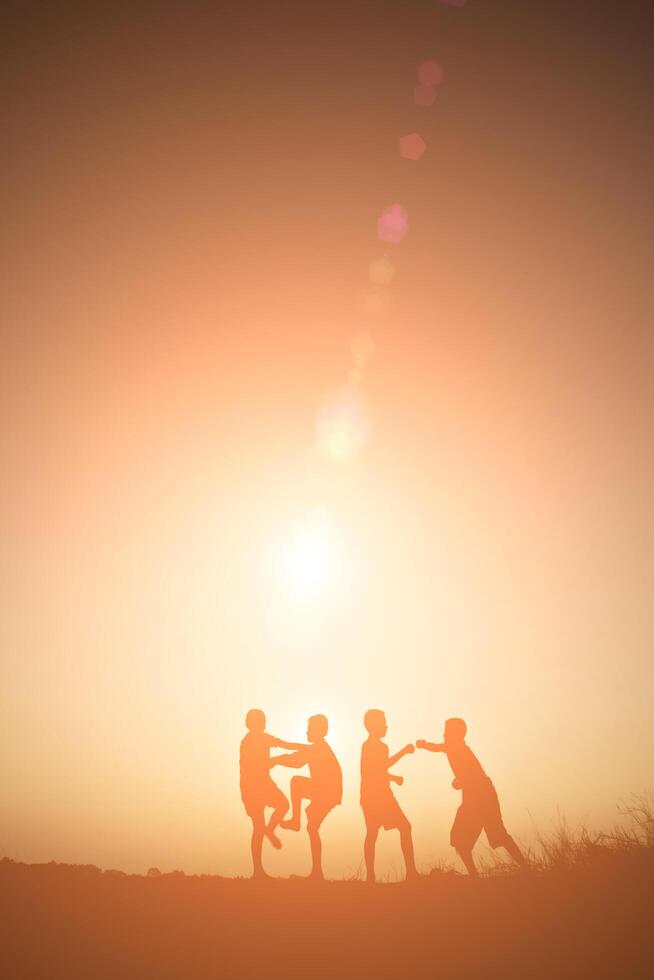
pixel 480 807
pixel 258 790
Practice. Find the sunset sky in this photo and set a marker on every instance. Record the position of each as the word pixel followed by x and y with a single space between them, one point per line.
pixel 238 472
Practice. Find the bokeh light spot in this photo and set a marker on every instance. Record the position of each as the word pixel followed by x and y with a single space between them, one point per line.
pixel 424 95
pixel 374 303
pixel 412 146
pixel 343 425
pixel 362 347
pixel 392 224
pixel 430 72
pixel 382 271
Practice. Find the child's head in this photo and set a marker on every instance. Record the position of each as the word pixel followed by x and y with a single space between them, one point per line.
pixel 317 728
pixel 374 721
pixel 255 720
pixel 455 730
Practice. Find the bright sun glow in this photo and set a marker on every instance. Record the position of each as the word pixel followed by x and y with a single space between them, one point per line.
pixel 311 576
pixel 308 579
pixel 306 556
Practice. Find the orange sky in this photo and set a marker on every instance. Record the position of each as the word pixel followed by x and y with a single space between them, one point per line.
pixel 190 218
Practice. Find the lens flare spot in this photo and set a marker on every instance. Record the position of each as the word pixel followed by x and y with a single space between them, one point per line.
pixel 412 146
pixel 424 95
pixel 392 224
pixel 362 347
pixel 382 271
pixel 374 303
pixel 430 72
pixel 343 425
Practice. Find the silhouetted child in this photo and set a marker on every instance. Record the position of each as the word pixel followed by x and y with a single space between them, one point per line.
pixel 324 786
pixel 258 791
pixel 480 807
pixel 380 808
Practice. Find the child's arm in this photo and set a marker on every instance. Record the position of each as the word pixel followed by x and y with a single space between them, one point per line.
pixel 407 750
pixel 279 743
pixel 430 746
pixel 294 761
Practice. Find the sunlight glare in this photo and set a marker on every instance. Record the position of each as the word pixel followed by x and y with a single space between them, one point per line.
pixel 310 582
pixel 305 556
pixel 308 559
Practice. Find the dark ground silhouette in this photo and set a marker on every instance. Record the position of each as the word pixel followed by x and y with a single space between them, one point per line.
pixel 587 915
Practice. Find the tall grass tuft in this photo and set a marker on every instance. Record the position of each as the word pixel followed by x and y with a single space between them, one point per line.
pixel 630 840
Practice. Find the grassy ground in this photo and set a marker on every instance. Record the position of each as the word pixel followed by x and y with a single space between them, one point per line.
pixel 585 910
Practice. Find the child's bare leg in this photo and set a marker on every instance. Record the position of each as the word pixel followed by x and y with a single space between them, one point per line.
pixel 369 854
pixel 406 843
pixel 465 853
pixel 300 789
pixel 256 845
pixel 316 851
pixel 514 851
pixel 274 822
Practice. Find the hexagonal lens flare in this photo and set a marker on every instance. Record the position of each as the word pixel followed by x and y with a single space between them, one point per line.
pixel 392 224
pixel 430 72
pixel 382 271
pixel 412 146
pixel 424 95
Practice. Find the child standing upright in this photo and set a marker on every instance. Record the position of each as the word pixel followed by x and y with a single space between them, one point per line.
pixel 380 808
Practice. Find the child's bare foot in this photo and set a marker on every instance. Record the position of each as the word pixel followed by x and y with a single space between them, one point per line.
pixel 274 839
pixel 292 824
pixel 261 876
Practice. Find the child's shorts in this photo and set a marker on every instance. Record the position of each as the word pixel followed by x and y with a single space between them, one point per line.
pixel 383 812
pixel 480 810
pixel 256 798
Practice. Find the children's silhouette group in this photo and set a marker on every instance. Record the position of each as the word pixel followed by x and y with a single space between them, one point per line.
pixel 323 788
